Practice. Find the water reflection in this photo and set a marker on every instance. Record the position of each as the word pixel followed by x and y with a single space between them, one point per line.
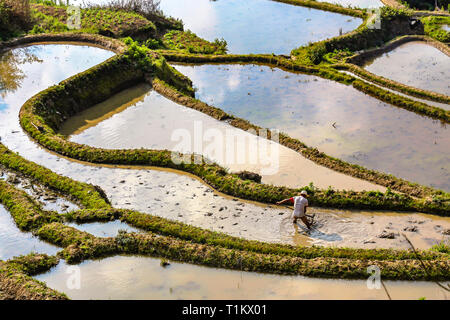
pixel 258 26
pixel 11 75
pixel 333 117
pixel 131 277
pixel 357 3
pixel 14 242
pixel 152 121
pixel 169 194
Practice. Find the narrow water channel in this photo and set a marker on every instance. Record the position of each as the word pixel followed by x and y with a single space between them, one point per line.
pixel 363 4
pixel 133 277
pixel 416 64
pixel 141 118
pixel 14 242
pixel 335 118
pixel 258 26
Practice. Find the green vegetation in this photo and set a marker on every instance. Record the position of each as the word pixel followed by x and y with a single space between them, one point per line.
pixel 26 213
pixel 427 4
pixel 14 18
pixel 394 22
pixel 16 278
pixel 415 92
pixel 443 247
pixel 180 242
pixel 404 102
pixel 433 27
pixel 360 13
pixel 79 246
pixel 186 232
pixel 189 42
pixel 337 56
pixel 42 115
pixel 47 24
pixel 117 24
pixel 42 124
pixel 23 208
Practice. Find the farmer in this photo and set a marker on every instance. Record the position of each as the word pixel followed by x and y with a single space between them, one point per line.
pixel 300 204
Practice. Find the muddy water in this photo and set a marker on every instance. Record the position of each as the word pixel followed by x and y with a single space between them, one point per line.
pixel 172 194
pixel 356 3
pixel 258 26
pixel 415 64
pixel 132 277
pixel 140 118
pixel 366 131
pixel 14 242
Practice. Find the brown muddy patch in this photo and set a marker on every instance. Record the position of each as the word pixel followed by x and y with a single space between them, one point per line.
pixel 344 123
pixel 48 199
pixel 154 122
pixel 125 277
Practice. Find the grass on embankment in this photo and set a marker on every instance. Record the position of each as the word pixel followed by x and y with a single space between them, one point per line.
pixel 98 83
pixel 29 216
pixel 50 19
pixel 189 42
pixel 16 280
pixel 393 23
pixel 185 243
pixel 434 28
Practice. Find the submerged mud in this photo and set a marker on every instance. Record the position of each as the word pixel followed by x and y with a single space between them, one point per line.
pixel 125 277
pixel 165 193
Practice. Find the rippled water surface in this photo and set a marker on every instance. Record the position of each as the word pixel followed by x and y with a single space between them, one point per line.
pixel 335 118
pixel 258 26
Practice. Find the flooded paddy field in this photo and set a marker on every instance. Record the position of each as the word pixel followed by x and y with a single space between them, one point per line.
pixel 416 64
pixel 284 26
pixel 134 277
pixel 181 197
pixel 343 123
pixel 103 229
pixel 141 118
pixel 14 242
